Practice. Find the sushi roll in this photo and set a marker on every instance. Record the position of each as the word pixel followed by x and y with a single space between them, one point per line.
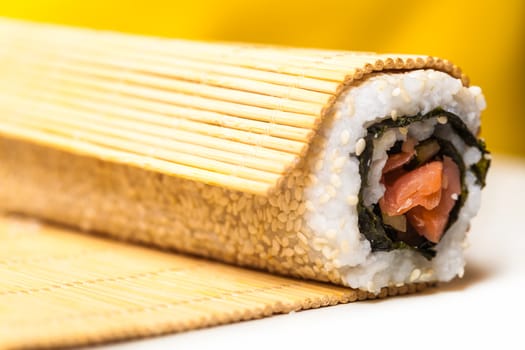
pixel 400 168
pixel 360 169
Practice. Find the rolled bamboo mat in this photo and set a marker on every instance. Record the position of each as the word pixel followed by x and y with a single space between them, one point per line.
pixel 61 288
pixel 238 116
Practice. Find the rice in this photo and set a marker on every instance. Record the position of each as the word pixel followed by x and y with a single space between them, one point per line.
pixel 332 158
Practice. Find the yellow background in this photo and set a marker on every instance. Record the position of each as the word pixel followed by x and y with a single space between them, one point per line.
pixel 485 38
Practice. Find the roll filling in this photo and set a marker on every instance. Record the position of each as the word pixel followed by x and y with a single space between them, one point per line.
pixel 422 181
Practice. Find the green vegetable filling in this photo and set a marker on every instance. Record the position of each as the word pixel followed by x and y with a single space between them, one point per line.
pixel 389 233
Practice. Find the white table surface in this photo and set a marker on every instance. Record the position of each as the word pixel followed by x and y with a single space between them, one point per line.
pixel 485 309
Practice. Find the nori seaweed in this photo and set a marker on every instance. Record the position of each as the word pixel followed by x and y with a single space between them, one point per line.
pixel 383 237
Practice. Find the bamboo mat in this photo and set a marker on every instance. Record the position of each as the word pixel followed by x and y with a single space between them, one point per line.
pixel 59 288
pixel 238 116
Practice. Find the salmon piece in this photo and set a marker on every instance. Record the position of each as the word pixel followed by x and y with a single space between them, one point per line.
pixel 397 160
pixel 419 187
pixel 431 223
pixel 409 145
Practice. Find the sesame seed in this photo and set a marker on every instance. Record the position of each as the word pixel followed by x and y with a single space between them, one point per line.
pixel 393 114
pixel 427 274
pixel 309 206
pixel 396 92
pixel 345 137
pixel 352 200
pixel 298 193
pixel 403 131
pixel 350 109
pixel 345 246
pixel 312 179
pixel 334 154
pixel 302 237
pixel 360 146
pixel 320 241
pixel 487 156
pixel 282 217
pixel 405 96
pixel 331 234
pixel 273 201
pixel 338 163
pixel 327 252
pixel 442 119
pixel 328 266
pixel 298 250
pixel 249 250
pixel 324 198
pixel 335 253
pixel 317 246
pixel 241 203
pixel 287 196
pixel 308 272
pixel 301 209
pixel 318 165
pixel 290 183
pixel 454 196
pixel 330 190
pixel 297 225
pixel 287 252
pixel 381 85
pixel 415 275
pixel 371 285
pixel 335 180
